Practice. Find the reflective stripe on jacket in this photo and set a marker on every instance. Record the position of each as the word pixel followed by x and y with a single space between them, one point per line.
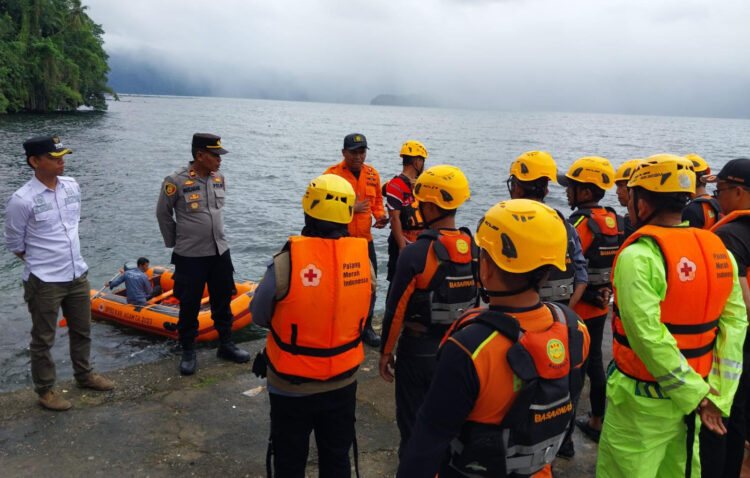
pixel 315 330
pixel 699 281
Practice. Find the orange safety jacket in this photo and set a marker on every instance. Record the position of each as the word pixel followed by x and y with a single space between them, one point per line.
pixel 601 231
pixel 729 218
pixel 315 329
pixel 515 380
pixel 699 281
pixel 711 210
pixel 366 187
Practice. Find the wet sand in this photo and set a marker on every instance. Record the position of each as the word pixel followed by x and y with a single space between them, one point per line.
pixel 157 423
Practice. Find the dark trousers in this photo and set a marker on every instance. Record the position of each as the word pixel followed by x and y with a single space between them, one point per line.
pixel 330 415
pixel 595 367
pixel 392 257
pixel 415 366
pixel 45 299
pixel 374 262
pixel 191 276
pixel 721 456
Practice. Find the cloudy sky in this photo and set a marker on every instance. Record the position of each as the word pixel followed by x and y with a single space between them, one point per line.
pixel 684 57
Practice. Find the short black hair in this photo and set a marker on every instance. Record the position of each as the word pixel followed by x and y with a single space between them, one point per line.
pixel 194 151
pixel 535 189
pixel 672 202
pixel 597 193
pixel 445 212
pixel 142 260
pixel 406 159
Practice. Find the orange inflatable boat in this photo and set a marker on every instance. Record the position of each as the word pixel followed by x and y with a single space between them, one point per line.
pixel 161 314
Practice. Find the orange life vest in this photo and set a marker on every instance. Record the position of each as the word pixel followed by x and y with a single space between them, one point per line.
pixel 699 281
pixel 446 288
pixel 729 218
pixel 315 330
pixel 601 231
pixel 515 430
pixel 711 210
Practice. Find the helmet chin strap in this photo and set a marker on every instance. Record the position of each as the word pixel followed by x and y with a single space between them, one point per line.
pixel 638 222
pixel 486 294
pixel 430 222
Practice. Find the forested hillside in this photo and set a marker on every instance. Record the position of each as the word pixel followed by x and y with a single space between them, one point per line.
pixel 51 57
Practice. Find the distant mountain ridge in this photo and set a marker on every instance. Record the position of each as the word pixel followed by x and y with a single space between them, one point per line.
pixel 404 100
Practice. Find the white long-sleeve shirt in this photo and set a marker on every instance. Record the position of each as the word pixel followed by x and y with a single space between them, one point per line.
pixel 42 223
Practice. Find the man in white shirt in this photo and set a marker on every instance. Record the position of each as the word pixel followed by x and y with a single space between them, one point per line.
pixel 41 228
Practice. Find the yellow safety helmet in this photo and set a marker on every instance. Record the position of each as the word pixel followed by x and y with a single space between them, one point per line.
pixel 522 235
pixel 330 198
pixel 413 148
pixel 664 173
pixel 591 169
pixel 626 169
pixel 534 165
pixel 699 164
pixel 443 185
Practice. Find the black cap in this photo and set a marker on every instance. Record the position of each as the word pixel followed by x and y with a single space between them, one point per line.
pixel 355 141
pixel 736 171
pixel 208 142
pixel 39 145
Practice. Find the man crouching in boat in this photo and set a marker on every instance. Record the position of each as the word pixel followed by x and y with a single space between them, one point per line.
pixel 314 298
pixel 190 220
pixel 138 287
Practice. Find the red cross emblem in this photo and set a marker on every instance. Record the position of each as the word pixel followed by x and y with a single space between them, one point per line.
pixel 310 275
pixel 686 269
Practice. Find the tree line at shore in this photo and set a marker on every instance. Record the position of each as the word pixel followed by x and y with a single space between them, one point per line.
pixel 51 57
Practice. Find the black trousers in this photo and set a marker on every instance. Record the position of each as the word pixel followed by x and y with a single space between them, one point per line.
pixel 191 276
pixel 595 366
pixel 330 415
pixel 415 366
pixel 721 456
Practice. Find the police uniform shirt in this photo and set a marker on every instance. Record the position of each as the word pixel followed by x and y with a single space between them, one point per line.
pixel 43 224
pixel 189 213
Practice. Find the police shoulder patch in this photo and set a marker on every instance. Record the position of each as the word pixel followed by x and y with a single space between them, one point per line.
pixel 170 189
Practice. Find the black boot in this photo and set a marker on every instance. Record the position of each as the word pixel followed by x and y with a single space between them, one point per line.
pixel 188 362
pixel 229 351
pixel 369 336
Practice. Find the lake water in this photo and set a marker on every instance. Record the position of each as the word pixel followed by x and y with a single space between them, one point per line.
pixel 121 157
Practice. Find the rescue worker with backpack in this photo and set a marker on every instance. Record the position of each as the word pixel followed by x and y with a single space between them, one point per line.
pixel 678 326
pixel 622 176
pixel 500 400
pixel 403 210
pixel 703 211
pixel 433 285
pixel 601 231
pixel 724 454
pixel 529 176
pixel 314 299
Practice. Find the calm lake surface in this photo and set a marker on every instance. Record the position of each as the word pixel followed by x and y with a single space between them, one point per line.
pixel 121 157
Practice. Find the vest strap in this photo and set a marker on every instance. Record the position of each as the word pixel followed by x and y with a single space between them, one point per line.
pixel 687 353
pixel 698 352
pixel 690 329
pixel 295 349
